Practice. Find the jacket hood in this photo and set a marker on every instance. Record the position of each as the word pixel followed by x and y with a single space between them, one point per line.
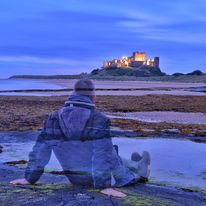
pixel 73 119
pixel 79 100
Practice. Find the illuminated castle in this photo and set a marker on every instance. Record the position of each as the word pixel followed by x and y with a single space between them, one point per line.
pixel 138 59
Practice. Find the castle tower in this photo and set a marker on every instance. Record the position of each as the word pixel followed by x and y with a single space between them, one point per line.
pixel 156 62
pixel 106 64
pixel 139 56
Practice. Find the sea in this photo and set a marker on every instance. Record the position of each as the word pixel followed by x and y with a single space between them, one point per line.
pixel 25 84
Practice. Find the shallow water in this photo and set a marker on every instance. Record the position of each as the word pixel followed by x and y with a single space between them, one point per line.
pixel 175 162
pixel 154 87
pixel 112 93
pixel 32 94
pixel 23 84
pixel 163 116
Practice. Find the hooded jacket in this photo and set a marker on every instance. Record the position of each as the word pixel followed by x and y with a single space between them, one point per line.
pixel 80 138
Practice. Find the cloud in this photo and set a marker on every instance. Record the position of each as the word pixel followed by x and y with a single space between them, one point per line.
pixel 72 34
pixel 182 33
pixel 85 17
pixel 39 60
pixel 10 65
pixel 182 27
pixel 32 59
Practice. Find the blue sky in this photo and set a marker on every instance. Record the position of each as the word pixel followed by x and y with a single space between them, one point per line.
pixel 73 36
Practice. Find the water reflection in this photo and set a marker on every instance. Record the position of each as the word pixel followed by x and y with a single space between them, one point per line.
pixel 174 162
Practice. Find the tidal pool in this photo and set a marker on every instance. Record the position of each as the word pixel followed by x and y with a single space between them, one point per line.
pixel 174 162
pixel 163 116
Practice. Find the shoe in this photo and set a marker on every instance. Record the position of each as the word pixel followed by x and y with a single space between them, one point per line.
pixel 136 157
pixel 116 148
pixel 144 165
pixel 146 157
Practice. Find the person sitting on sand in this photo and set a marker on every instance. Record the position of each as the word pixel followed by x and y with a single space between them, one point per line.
pixel 80 138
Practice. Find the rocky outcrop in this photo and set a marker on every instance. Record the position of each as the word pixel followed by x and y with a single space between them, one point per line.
pixel 142 71
pixel 55 190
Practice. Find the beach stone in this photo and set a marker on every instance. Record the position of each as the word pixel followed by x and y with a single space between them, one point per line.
pixel 198 139
pixel 148 130
pixel 200 133
pixel 203 133
pixel 81 197
pixel 124 133
pixel 170 131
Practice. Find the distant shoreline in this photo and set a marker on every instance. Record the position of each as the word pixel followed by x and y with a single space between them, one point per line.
pixel 78 76
pixel 166 78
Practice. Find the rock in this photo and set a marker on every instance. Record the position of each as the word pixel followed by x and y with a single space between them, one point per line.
pixel 140 71
pixel 12 163
pixel 201 133
pixel 63 194
pixel 148 131
pixel 82 197
pixel 170 131
pixel 124 133
pixel 198 139
pixel 57 172
pixel 1 149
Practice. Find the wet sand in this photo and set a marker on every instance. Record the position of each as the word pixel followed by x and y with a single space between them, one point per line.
pixel 127 92
pixel 163 116
pixel 109 84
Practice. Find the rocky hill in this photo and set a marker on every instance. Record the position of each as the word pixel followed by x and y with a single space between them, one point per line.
pixel 142 71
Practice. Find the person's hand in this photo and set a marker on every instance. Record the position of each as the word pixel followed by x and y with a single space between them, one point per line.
pixel 20 182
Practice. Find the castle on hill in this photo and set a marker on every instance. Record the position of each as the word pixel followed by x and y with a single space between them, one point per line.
pixel 136 60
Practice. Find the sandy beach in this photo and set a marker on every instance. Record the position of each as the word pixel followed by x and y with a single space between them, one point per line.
pixel 163 116
pixel 26 87
pixel 109 84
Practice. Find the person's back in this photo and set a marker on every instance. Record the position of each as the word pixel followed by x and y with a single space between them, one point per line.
pixel 80 138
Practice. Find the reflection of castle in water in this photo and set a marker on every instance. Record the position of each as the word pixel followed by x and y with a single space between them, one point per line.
pixel 138 59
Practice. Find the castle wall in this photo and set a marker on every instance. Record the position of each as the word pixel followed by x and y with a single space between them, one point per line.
pixel 139 56
pixel 156 62
pixel 138 59
pixel 136 63
pixel 106 64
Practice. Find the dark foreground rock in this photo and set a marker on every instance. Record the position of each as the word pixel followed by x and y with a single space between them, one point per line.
pixel 56 192
pixel 64 195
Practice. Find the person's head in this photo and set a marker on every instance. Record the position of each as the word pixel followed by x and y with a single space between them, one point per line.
pixel 85 87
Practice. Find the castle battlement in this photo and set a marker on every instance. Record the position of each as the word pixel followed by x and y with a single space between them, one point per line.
pixel 136 60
